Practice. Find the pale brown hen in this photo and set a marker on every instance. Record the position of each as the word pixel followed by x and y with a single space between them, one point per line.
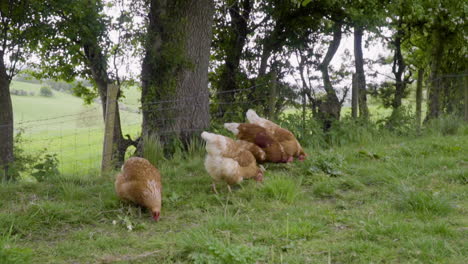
pixel 227 161
pixel 261 137
pixel 140 182
pixel 286 138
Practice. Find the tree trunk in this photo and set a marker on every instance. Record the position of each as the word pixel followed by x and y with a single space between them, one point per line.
pixel 419 98
pixel 434 87
pixel 354 98
pixel 235 45
pixel 175 98
pixel 398 70
pixel 330 109
pixel 360 76
pixel 6 121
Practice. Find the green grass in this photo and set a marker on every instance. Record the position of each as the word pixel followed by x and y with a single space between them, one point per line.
pixel 64 125
pixel 398 200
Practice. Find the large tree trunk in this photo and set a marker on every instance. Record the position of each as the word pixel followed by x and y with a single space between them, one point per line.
pixel 330 109
pixel 175 98
pixel 6 121
pixel 360 76
pixel 434 87
pixel 98 67
pixel 235 44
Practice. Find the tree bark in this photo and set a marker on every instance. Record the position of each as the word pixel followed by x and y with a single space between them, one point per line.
pixel 330 109
pixel 360 76
pixel 434 87
pixel 419 98
pixel 235 44
pixel 398 70
pixel 175 98
pixel 6 121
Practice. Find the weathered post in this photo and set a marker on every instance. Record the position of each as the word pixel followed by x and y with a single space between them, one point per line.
pixel 419 99
pixel 272 98
pixel 108 148
pixel 466 97
pixel 354 97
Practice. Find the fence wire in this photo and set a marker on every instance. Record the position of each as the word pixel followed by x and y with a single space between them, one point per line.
pixel 76 139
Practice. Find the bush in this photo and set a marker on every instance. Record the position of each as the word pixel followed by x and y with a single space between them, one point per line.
pixel 46 167
pixel 19 92
pixel 46 91
pixel 445 125
pixel 39 164
pixel 349 131
pixel 401 122
pixel 309 132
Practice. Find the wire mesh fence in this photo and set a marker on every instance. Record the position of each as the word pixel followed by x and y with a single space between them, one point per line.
pixel 77 139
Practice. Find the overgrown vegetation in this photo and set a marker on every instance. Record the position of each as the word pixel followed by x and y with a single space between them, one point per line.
pixel 384 199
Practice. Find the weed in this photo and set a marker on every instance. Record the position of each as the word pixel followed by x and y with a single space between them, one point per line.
pixel 281 188
pixel 9 253
pixel 423 202
pixel 153 149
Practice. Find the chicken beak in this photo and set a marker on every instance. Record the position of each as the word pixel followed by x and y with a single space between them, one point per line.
pixel 156 216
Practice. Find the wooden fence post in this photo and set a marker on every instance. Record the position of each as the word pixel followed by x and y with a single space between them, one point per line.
pixel 354 97
pixel 108 147
pixel 419 88
pixel 466 96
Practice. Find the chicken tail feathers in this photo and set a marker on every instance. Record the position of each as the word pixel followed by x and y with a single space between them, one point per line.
pixel 233 127
pixel 252 116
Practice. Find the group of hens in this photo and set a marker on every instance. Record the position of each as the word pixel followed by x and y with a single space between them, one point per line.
pixel 228 160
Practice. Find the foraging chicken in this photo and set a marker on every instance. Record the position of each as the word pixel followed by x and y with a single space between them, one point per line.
pixel 261 137
pixel 283 136
pixel 140 182
pixel 258 152
pixel 227 161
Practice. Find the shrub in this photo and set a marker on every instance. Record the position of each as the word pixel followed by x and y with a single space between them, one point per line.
pixel 308 131
pixel 445 125
pixel 46 91
pixel 39 164
pixel 401 122
pixel 46 167
pixel 349 131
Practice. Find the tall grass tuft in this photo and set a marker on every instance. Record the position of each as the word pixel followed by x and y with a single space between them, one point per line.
pixel 195 148
pixel 153 150
pixel 445 125
pixel 202 246
pixel 349 131
pixel 423 202
pixel 283 189
pixel 11 254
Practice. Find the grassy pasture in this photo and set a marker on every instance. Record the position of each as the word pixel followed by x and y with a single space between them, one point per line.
pixel 64 125
pixel 385 200
pixel 398 201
